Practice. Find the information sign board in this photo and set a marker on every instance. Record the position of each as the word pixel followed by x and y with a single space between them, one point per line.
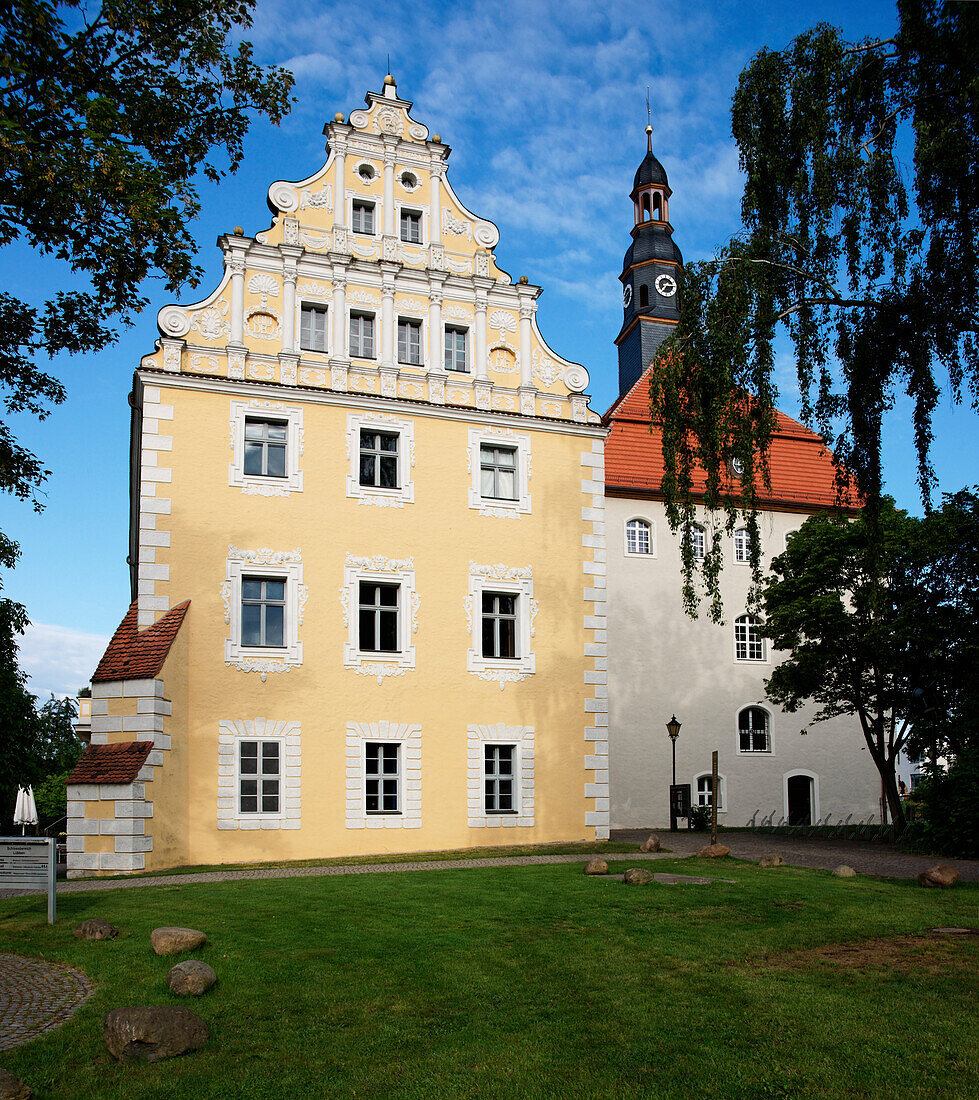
pixel 28 863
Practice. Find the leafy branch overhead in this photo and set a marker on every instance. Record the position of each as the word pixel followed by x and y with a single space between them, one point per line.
pixel 107 115
pixel 860 242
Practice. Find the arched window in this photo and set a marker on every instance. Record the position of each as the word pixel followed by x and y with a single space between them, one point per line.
pixel 749 645
pixel 754 733
pixel 643 295
pixel 697 540
pixel 638 537
pixel 742 546
pixel 657 208
pixel 704 791
pixel 645 208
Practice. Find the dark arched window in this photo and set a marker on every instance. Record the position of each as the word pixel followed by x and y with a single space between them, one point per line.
pixel 657 209
pixel 645 208
pixel 643 295
pixel 753 731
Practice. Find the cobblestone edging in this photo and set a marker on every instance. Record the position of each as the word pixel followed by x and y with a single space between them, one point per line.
pixel 36 997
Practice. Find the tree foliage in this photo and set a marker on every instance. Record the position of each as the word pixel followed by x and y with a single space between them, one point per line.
pixel 108 112
pixel 880 620
pixel 860 241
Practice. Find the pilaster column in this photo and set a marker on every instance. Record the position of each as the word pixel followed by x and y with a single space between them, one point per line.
pixel 289 306
pixel 340 184
pixel 436 358
pixel 237 268
pixel 435 202
pixel 389 159
pixel 479 350
pixel 387 316
pixel 526 357
pixel 340 350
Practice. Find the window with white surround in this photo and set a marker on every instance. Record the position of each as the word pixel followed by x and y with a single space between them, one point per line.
pixel 259 777
pixel 259 774
pixel 754 730
pixel 500 611
pixel 500 470
pixel 313 329
pixel 704 791
pixel 362 335
pixel 380 612
pixel 264 597
pixel 749 645
pixel 456 341
pixel 362 217
pixel 697 540
pixel 411 226
pixel 742 546
pixel 382 777
pixel 381 455
pixel 639 538
pixel 410 341
pixel 500 776
pixel 266 446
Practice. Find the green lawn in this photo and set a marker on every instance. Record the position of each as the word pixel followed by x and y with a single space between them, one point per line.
pixel 529 982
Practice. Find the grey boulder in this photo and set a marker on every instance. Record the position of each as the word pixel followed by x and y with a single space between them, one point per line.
pixel 95 928
pixel 172 941
pixel 152 1034
pixel 191 978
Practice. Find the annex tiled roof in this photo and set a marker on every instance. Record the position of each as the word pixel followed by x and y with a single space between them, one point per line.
pixel 119 763
pixel 135 654
pixel 802 471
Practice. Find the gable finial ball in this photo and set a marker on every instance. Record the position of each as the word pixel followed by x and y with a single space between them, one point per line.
pixel 649 129
pixel 437 137
pixel 389 79
pixel 523 279
pixel 338 117
pixel 239 232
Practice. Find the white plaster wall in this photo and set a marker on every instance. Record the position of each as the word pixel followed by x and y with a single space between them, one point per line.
pixel 661 663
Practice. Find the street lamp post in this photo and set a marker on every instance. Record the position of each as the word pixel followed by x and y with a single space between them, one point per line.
pixel 673 729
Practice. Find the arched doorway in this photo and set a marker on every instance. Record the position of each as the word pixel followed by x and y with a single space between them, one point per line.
pixel 799 798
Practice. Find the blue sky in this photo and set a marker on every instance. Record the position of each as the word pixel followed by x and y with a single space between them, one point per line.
pixel 543 103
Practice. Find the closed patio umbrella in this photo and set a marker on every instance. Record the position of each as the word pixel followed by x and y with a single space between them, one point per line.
pixel 25 812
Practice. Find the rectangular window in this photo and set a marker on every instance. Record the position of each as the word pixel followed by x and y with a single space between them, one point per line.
pixel 500 625
pixel 498 472
pixel 411 227
pixel 362 335
pixel 498 779
pixel 259 773
pixel 409 342
pixel 379 459
pixel 363 217
pixel 455 349
pixel 265 447
pixel 263 611
pixel 312 328
pixel 379 617
pixel 382 774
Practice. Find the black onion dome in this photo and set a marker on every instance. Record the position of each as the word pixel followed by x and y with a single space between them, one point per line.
pixel 650 171
pixel 651 246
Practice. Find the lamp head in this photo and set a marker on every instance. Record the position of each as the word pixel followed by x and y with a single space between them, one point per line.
pixel 673 728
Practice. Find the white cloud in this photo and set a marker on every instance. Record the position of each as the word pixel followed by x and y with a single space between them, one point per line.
pixel 58 659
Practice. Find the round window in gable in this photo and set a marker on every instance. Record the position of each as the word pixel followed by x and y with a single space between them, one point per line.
pixel 409 181
pixel 366 171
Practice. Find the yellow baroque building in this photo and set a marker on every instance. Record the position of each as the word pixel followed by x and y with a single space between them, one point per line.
pixel 367 545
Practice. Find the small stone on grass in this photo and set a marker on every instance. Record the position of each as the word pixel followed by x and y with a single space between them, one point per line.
pixel 13 1088
pixel 772 860
pixel 638 876
pixel 191 978
pixel 843 871
pixel 95 928
pixel 943 875
pixel 714 851
pixel 172 940
pixel 650 844
pixel 152 1034
pixel 596 866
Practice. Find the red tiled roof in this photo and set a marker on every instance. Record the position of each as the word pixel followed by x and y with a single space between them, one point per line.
pixel 119 763
pixel 801 468
pixel 139 655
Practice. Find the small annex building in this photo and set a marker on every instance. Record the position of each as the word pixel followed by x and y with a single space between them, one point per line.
pixel 366 544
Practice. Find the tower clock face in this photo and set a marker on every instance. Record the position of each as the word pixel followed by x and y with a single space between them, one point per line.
pixel 626 295
pixel 665 285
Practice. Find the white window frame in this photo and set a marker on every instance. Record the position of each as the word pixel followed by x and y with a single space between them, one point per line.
pixel 411 208
pixel 497 507
pixel 278 565
pixel 261 485
pixel 721 791
pixel 511 580
pixel 379 570
pixel 364 200
pixel 768 727
pixel 375 495
pixel 409 737
pixel 314 304
pixel 651 531
pixel 522 737
pixel 259 814
pixel 814 810
pixel 703 539
pixel 231 732
pixel 457 326
pixel 358 311
pixel 741 542
pixel 753 621
pixel 422 337
pixel 515 746
pixel 398 778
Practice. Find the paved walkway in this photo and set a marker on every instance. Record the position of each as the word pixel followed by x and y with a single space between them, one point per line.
pixel 36 996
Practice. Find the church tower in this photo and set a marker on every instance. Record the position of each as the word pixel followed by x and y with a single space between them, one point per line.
pixel 649 272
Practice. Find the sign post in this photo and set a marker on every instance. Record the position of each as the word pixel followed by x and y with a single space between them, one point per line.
pixel 713 797
pixel 29 863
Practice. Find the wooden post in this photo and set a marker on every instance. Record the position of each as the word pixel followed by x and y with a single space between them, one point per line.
pixel 713 797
